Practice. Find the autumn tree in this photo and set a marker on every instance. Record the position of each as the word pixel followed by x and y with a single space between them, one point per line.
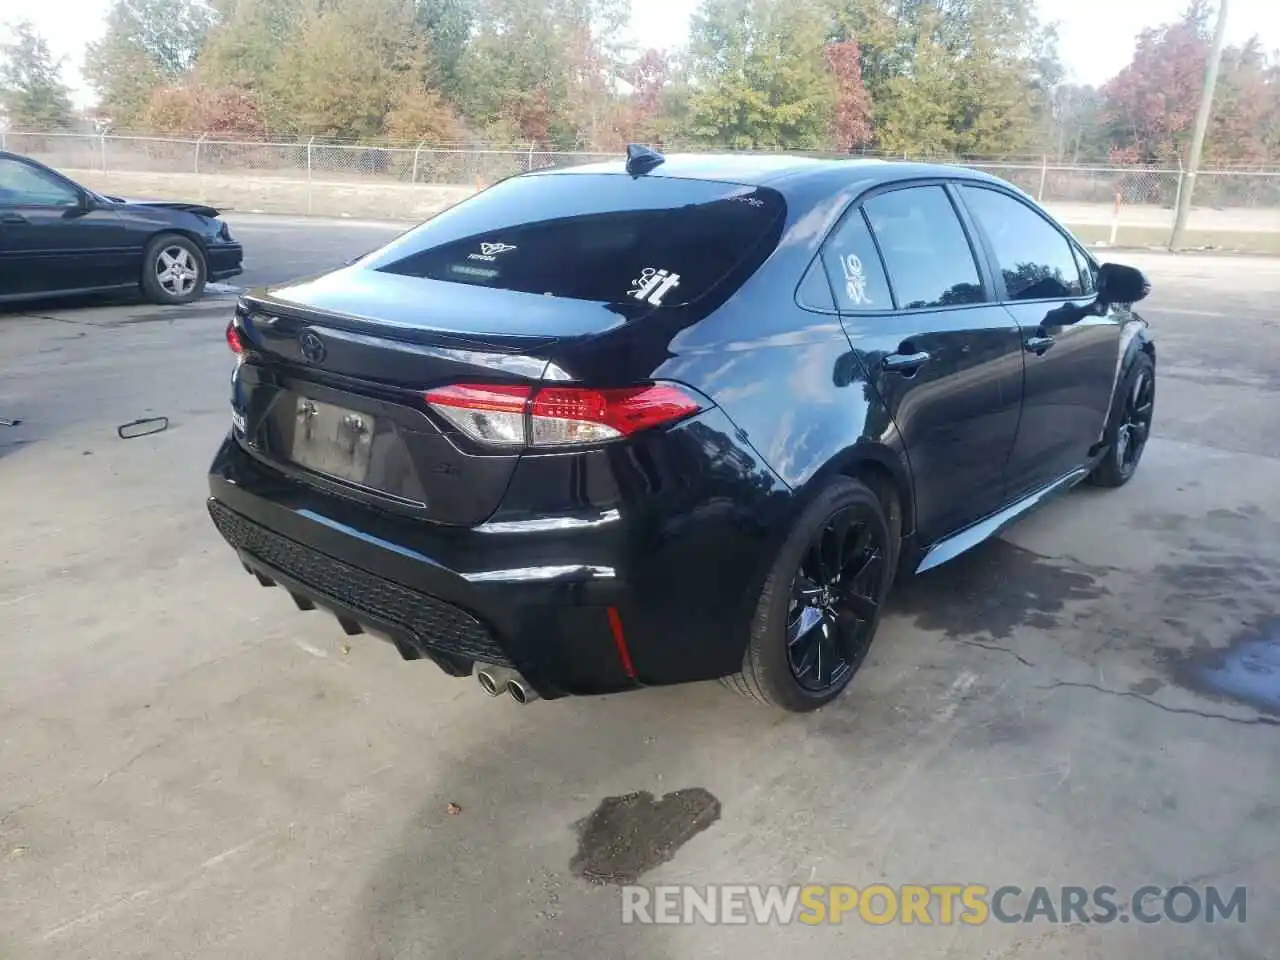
pixel 851 118
pixel 420 113
pixel 196 108
pixel 640 113
pixel 147 44
pixel 31 90
pixel 1150 106
pixel 758 74
pixel 1246 107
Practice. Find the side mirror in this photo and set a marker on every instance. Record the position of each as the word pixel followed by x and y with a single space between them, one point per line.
pixel 1120 284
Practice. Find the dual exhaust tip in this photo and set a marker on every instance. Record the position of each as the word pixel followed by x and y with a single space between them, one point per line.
pixel 495 681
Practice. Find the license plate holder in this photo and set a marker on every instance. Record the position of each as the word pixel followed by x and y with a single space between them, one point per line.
pixel 332 440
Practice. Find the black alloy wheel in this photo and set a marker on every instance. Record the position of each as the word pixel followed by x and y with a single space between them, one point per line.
pixel 835 598
pixel 1130 426
pixel 1135 425
pixel 820 604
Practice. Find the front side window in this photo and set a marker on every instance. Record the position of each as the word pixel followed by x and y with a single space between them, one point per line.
pixel 854 266
pixel 1035 259
pixel 925 249
pixel 646 241
pixel 22 185
pixel 1088 272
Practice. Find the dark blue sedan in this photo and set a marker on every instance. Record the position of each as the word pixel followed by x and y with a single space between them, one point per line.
pixel 674 419
pixel 58 238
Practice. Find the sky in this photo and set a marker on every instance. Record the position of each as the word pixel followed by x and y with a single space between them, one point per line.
pixel 1096 36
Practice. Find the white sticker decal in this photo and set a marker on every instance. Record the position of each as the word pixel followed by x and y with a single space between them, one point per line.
pixel 855 281
pixel 490 251
pixel 653 284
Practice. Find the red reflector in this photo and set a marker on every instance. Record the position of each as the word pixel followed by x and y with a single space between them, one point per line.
pixel 626 410
pixel 233 338
pixel 620 641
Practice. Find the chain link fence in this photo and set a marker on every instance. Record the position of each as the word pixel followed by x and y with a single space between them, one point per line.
pixel 1224 199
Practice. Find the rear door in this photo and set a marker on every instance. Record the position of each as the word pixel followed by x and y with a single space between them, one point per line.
pixel 943 356
pixel 1071 352
pixel 49 241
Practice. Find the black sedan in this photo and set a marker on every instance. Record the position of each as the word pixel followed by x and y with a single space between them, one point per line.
pixel 674 419
pixel 58 238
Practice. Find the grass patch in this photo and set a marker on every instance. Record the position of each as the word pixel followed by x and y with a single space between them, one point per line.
pixel 1226 241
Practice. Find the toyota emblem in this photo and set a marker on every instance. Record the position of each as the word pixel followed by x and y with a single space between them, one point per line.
pixel 312 347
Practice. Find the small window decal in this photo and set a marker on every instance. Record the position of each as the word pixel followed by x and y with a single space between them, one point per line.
pixel 855 279
pixel 653 284
pixel 490 251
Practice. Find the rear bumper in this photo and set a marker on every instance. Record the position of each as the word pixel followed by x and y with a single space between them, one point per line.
pixel 225 260
pixel 602 607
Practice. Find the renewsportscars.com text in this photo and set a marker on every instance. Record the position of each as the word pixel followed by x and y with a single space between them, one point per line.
pixel 928 904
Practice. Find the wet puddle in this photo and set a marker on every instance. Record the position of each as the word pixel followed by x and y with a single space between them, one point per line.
pixel 1247 671
pixel 624 837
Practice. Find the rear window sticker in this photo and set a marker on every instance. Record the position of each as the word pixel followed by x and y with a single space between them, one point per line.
pixel 653 284
pixel 490 251
pixel 855 280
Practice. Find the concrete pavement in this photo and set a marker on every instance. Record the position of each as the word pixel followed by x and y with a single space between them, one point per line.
pixel 190 767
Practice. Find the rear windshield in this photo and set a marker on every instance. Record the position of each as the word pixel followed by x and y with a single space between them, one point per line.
pixel 650 241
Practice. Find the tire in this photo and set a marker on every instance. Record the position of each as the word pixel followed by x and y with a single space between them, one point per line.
pixel 167 252
pixel 772 669
pixel 1129 426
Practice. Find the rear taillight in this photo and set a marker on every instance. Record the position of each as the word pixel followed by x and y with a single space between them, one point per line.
pixel 233 338
pixel 513 416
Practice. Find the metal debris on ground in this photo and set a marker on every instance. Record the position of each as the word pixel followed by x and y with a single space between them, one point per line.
pixel 6 422
pixel 142 428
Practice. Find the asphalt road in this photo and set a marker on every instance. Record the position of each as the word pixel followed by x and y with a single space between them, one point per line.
pixel 191 768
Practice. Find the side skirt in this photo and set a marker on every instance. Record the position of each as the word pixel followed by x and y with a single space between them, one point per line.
pixel 971 536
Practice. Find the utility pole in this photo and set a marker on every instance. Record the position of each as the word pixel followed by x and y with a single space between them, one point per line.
pixel 1202 125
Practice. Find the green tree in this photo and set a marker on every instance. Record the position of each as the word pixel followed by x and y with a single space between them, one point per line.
pixel 543 70
pixel 446 27
pixel 1007 65
pixel 881 28
pixel 1077 133
pixel 243 48
pixel 953 76
pixel 758 75
pixel 31 91
pixel 345 68
pixel 147 44
pixel 916 115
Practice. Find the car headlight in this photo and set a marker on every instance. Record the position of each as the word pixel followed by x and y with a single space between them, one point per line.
pixel 224 233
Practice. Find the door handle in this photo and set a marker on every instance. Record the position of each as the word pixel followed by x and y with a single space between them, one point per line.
pixel 905 362
pixel 1038 345
pixel 13 218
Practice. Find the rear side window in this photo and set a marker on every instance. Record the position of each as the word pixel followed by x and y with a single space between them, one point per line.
pixel 1035 259
pixel 925 248
pixel 853 264
pixel 647 241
